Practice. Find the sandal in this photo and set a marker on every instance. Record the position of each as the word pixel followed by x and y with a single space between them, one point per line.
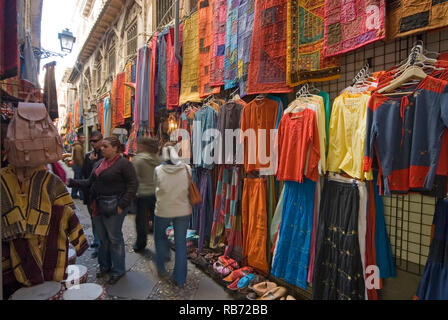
pixel 263 287
pixel 228 263
pixel 274 294
pixel 289 297
pixel 219 268
pixel 237 274
pixel 244 281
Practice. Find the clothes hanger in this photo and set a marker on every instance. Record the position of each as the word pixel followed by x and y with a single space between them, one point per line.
pixel 411 72
pixel 260 96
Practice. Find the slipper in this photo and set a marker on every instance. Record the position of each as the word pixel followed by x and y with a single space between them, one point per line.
pixel 263 287
pixel 237 274
pixel 289 297
pixel 282 298
pixel 274 294
pixel 218 267
pixel 244 281
pixel 229 263
pixel 234 285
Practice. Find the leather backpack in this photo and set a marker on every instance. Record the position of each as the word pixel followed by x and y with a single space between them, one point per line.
pixel 32 139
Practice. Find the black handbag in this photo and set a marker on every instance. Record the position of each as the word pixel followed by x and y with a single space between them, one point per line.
pixel 108 205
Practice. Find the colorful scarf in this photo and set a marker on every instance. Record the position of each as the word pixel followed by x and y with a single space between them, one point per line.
pixel 172 71
pixel 161 70
pixel 246 12
pixel 142 87
pixel 50 93
pixel 205 44
pixel 267 68
pixel 305 59
pixel 128 92
pixel 107 118
pixel 219 42
pixel 152 81
pixel 189 91
pixel 231 52
pixel 101 115
pixel 351 24
pixel 118 100
pixel 106 164
pixel 409 17
pixel 77 114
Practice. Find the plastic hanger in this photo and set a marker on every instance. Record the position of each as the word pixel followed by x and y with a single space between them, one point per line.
pixel 411 72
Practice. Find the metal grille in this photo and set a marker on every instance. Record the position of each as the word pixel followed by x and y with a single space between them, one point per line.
pixel 165 12
pixel 132 40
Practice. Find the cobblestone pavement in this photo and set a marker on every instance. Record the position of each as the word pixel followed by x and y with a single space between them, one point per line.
pixel 199 286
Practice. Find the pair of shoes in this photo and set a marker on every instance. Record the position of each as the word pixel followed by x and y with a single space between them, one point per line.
pixel 274 294
pixel 114 279
pixel 94 255
pixel 101 274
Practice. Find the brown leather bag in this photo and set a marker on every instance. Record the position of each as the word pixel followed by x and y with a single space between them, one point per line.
pixel 193 192
pixel 32 139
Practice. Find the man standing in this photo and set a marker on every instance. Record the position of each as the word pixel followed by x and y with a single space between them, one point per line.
pixel 91 158
pixel 78 161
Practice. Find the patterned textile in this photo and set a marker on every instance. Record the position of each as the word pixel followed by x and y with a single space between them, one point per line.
pixel 205 44
pixel 26 207
pixel 189 91
pixel 205 118
pixel 246 12
pixel 142 86
pixel 293 247
pixel 107 118
pixel 351 24
pixel 305 58
pixel 128 92
pixel 231 52
pixel 77 114
pixel 9 53
pixel 133 80
pixel 226 201
pixel 172 71
pixel 152 82
pixel 50 93
pixel 118 100
pixel 101 115
pixel 413 16
pixel 219 42
pixel 267 68
pixel 21 89
pixel 161 71
pixel 36 259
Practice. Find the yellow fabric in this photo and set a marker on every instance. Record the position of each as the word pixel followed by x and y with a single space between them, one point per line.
pixel 347 135
pixel 189 90
pixel 128 92
pixel 26 207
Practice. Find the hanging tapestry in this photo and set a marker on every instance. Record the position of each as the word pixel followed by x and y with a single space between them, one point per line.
pixel 267 68
pixel 152 81
pixel 246 12
pixel 408 17
pixel 142 87
pixel 77 114
pixel 305 58
pixel 231 52
pixel 128 92
pixel 219 42
pixel 117 100
pixel 351 24
pixel 172 71
pixel 101 115
pixel 133 80
pixel 161 71
pixel 205 44
pixel 189 91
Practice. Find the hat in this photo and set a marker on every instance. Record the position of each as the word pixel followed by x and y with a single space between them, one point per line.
pixel 170 154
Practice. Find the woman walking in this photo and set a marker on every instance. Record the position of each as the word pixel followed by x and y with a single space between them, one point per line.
pixel 172 206
pixel 112 184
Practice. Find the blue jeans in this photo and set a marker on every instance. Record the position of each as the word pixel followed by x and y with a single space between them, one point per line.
pixel 77 176
pixel 180 225
pixel 111 252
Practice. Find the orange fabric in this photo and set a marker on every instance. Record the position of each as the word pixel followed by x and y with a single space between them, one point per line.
pixel 101 115
pixel 152 81
pixel 118 89
pixel 298 133
pixel 128 92
pixel 258 114
pixel 205 48
pixel 255 224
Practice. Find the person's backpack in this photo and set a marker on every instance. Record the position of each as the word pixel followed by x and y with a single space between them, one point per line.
pixel 32 139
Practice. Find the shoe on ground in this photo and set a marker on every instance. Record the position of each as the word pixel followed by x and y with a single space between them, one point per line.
pixel 114 279
pixel 101 274
pixel 138 248
pixel 94 255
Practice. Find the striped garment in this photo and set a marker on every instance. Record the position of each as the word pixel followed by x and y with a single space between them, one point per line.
pixel 226 221
pixel 26 208
pixel 35 259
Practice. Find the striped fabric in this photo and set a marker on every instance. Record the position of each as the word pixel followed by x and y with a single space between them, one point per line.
pixel 231 53
pixel 26 208
pixel 35 259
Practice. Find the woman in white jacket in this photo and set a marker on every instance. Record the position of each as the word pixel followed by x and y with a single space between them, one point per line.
pixel 172 205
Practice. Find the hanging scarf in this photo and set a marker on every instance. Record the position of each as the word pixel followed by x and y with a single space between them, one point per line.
pixel 106 164
pixel 219 42
pixel 172 71
pixel 245 26
pixel 231 52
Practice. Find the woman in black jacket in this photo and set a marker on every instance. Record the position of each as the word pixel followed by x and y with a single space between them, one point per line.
pixel 112 184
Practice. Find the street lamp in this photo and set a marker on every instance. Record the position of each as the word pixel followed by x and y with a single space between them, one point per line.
pixel 67 40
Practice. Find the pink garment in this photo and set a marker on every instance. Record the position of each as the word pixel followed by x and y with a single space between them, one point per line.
pixel 59 171
pixel 106 164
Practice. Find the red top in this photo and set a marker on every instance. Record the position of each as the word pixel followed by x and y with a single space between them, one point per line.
pixel 298 146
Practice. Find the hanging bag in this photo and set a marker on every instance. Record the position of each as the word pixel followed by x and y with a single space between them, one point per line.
pixel 193 192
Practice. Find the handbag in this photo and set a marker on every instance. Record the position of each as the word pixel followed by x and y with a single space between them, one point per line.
pixel 193 192
pixel 108 205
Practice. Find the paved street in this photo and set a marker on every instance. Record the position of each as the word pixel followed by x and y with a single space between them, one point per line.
pixel 141 281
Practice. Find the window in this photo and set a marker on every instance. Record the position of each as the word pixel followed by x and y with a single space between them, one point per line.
pixel 98 75
pixel 112 60
pixel 132 40
pixel 164 13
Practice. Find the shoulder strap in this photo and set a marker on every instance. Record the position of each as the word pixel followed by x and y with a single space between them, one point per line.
pixel 188 173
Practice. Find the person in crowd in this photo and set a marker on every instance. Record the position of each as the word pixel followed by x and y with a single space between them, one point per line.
pixel 78 161
pixel 145 162
pixel 172 206
pixel 91 158
pixel 113 184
